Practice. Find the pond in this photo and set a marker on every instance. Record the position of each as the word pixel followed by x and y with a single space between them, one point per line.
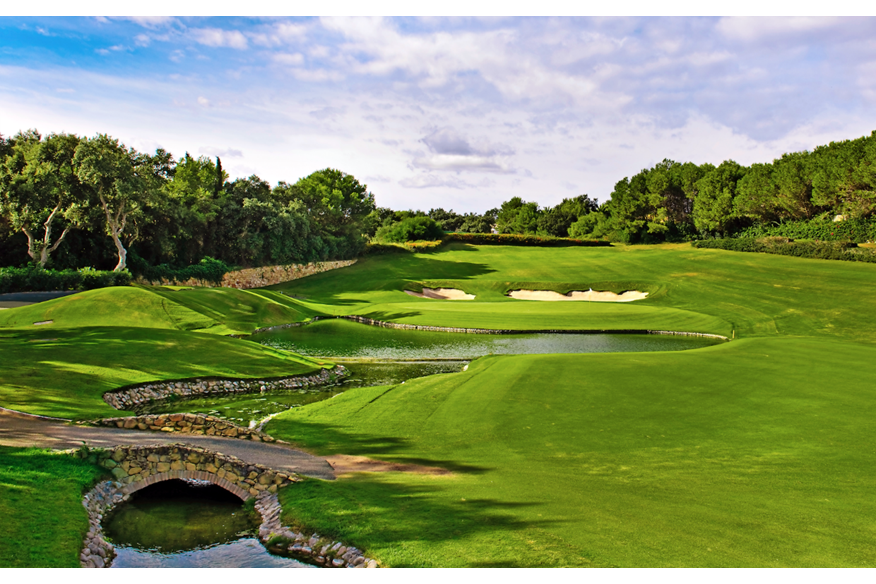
pixel 334 339
pixel 186 524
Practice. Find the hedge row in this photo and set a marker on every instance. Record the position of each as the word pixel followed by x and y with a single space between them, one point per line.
pixel 857 230
pixel 32 279
pixel 208 269
pixel 516 239
pixel 824 250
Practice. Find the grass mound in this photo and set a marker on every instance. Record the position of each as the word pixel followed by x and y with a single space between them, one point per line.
pixel 65 372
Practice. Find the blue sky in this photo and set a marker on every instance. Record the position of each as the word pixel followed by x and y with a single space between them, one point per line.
pixel 461 113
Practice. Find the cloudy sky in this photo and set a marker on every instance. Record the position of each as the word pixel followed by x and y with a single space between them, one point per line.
pixel 461 113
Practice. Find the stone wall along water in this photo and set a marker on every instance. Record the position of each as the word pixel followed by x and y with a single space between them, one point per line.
pixel 132 397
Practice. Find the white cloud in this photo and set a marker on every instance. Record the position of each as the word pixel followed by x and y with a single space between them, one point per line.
pixel 217 37
pixel 288 58
pixel 755 28
pixel 221 153
pixel 144 21
pixel 203 101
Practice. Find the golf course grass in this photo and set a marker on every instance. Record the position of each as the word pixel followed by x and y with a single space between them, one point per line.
pixel 64 372
pixel 41 506
pixel 756 452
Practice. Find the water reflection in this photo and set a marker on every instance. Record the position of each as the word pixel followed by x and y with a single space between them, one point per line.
pixel 185 524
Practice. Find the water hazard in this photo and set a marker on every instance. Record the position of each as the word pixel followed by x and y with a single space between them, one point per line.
pixel 177 524
pixel 345 339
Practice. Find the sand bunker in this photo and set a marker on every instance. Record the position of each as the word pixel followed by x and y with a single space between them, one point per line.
pixel 589 295
pixel 345 463
pixel 442 294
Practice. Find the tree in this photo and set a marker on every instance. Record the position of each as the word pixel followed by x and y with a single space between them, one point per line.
pixel 39 187
pixel 715 205
pixel 121 181
pixel 336 201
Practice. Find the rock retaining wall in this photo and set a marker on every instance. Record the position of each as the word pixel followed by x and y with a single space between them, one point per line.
pixel 186 424
pixel 257 277
pixel 132 397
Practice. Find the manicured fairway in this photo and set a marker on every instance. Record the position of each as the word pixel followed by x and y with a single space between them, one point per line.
pixel 751 294
pixel 64 372
pixel 41 508
pixel 754 453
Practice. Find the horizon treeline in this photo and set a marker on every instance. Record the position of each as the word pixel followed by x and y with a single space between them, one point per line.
pixel 70 202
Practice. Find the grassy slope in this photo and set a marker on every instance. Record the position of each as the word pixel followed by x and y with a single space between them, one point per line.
pixel 41 496
pixel 753 294
pixel 755 453
pixel 64 372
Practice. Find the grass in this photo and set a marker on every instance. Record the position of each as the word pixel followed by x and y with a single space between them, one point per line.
pixel 41 506
pixel 753 453
pixel 64 372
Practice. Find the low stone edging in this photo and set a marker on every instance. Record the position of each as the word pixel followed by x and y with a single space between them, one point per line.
pixel 186 424
pixel 136 467
pixel 257 277
pixel 323 551
pixel 131 397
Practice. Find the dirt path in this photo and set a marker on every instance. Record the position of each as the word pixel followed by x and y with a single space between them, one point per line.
pixel 23 430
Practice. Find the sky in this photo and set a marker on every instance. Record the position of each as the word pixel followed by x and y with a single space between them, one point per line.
pixel 459 113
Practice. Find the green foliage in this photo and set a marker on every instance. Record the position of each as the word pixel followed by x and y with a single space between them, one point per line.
pixel 834 250
pixel 821 228
pixel 208 270
pixel 34 279
pixel 410 229
pixel 517 239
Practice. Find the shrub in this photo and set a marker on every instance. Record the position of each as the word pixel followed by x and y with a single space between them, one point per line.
pixel 410 229
pixel 208 269
pixel 35 279
pixel 825 250
pixel 517 239
pixel 823 229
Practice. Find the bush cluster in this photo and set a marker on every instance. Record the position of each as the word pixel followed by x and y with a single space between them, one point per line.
pixel 824 250
pixel 208 269
pixel 34 279
pixel 857 230
pixel 518 239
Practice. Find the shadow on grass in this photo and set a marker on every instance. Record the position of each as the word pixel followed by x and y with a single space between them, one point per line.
pixel 328 440
pixel 377 513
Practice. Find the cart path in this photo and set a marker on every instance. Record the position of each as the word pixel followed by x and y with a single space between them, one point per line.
pixel 24 430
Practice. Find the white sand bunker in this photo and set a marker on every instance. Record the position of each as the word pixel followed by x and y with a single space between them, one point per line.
pixel 589 295
pixel 441 294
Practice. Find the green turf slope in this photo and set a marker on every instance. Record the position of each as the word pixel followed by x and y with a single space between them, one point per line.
pixel 716 291
pixel 41 506
pixel 64 372
pixel 759 452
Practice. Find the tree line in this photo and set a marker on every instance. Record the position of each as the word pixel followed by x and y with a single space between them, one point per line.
pixel 68 201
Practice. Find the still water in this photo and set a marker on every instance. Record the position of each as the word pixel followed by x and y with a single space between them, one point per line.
pixel 345 339
pixel 175 524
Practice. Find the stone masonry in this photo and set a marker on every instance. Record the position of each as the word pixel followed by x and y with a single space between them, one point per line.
pixel 186 424
pixel 136 467
pixel 258 277
pixel 132 397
